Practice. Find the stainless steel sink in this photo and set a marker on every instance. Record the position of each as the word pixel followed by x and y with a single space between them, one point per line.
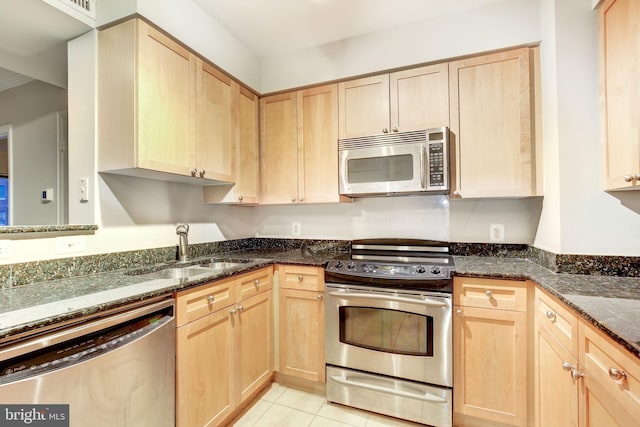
pixel 218 264
pixel 177 273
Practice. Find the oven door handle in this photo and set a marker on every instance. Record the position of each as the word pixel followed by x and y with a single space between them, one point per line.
pixel 427 301
pixel 427 397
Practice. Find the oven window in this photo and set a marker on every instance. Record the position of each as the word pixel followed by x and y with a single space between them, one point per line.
pixel 380 169
pixel 390 331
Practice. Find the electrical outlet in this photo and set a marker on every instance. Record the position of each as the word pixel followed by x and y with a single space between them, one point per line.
pixel 295 228
pixel 69 244
pixel 84 189
pixel 496 232
pixel 5 248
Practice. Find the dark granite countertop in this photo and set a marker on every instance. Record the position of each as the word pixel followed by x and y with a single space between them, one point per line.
pixel 610 303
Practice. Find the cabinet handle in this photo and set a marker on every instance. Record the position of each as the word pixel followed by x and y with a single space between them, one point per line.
pixel 240 307
pixel 256 282
pixel 459 312
pixel 395 129
pixel 194 172
pixel 211 299
pixel 550 315
pixel 629 178
pixel 319 297
pixel 617 374
pixel 300 278
pixel 488 293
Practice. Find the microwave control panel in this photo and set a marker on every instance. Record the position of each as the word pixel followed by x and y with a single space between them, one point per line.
pixel 438 160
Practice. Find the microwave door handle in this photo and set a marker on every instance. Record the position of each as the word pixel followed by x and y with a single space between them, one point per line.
pixel 430 302
pixel 423 167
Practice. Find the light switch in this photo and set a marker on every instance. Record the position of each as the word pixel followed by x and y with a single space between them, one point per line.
pixel 84 189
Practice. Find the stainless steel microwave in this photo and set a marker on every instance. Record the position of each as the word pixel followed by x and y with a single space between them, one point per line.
pixel 412 162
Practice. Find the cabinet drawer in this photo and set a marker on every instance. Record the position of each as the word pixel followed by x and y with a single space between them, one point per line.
pixel 490 293
pixel 301 277
pixel 557 319
pixel 253 283
pixel 611 372
pixel 195 303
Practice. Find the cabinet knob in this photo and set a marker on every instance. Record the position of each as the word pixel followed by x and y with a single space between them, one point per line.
pixel 638 177
pixel 629 178
pixel 457 193
pixel 488 293
pixel 319 297
pixel 211 299
pixel 194 172
pixel 300 278
pixel 233 311
pixel 395 129
pixel 293 199
pixel 617 374
pixel 202 173
pixel 301 199
pixel 566 366
pixel 385 130
pixel 575 374
pixel 256 282
pixel 459 312
pixel 239 198
pixel 240 307
pixel 550 315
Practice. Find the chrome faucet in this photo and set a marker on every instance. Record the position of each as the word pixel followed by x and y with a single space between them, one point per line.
pixel 182 230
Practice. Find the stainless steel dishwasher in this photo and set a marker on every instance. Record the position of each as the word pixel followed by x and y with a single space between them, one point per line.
pixel 114 371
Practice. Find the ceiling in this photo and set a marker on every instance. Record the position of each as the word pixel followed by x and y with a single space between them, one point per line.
pixel 277 26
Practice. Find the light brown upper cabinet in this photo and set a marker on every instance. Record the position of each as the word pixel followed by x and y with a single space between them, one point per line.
pixel 245 152
pixel 620 93
pixel 299 146
pixel 412 99
pixel 151 121
pixel 492 124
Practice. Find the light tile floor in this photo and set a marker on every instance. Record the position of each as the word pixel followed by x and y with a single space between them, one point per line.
pixel 283 406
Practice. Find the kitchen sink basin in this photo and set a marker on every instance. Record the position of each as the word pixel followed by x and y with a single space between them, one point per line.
pixel 223 264
pixel 178 273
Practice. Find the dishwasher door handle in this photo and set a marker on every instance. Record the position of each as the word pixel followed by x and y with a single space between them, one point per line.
pixel 92 326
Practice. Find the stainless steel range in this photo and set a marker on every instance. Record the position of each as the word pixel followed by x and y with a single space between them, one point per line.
pixel 388 329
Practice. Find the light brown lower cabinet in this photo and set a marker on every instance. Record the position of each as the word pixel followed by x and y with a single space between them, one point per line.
pixel 582 377
pixel 224 348
pixel 490 352
pixel 301 316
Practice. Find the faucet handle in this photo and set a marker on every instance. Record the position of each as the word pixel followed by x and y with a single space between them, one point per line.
pixel 182 229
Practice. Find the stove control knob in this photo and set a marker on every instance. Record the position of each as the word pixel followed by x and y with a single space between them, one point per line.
pixel 339 264
pixel 420 269
pixel 351 265
pixel 435 270
pixel 368 268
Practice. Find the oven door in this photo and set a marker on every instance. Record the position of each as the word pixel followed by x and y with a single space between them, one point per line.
pixel 383 170
pixel 402 334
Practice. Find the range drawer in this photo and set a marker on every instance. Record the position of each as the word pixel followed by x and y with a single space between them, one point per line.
pixel 559 320
pixel 490 293
pixel 198 302
pixel 301 277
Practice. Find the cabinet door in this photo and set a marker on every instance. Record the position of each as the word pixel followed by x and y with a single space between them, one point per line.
pixel 318 144
pixel 364 106
pixel 278 149
pixel 556 391
pixel 490 365
pixel 247 168
pixel 620 91
pixel 611 390
pixel 419 98
pixel 254 349
pixel 214 148
pixel 205 370
pixel 491 122
pixel 166 103
pixel 302 334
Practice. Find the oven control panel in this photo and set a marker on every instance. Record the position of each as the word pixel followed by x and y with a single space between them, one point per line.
pixel 389 270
